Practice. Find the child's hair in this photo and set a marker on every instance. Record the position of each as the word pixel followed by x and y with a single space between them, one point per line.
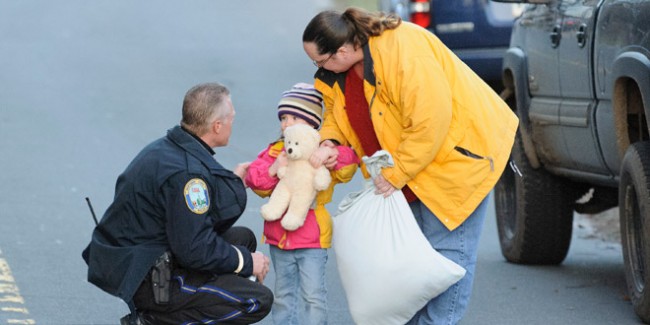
pixel 303 101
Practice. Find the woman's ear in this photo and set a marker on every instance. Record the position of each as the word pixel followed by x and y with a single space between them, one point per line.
pixel 346 50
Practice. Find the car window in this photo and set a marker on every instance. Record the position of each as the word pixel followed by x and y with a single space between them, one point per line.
pixel 502 13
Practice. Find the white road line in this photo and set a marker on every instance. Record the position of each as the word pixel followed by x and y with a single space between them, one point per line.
pixel 12 304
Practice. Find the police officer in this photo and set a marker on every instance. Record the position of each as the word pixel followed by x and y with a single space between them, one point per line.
pixel 172 218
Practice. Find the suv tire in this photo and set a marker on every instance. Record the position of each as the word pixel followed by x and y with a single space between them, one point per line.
pixel 534 212
pixel 634 212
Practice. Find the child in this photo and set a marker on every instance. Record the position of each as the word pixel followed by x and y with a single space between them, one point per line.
pixel 299 256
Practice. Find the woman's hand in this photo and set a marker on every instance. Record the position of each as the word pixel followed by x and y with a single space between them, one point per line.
pixel 383 187
pixel 326 155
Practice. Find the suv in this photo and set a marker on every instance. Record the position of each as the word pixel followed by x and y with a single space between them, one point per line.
pixel 577 74
pixel 478 31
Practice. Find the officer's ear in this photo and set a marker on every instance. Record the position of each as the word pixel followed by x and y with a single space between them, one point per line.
pixel 216 126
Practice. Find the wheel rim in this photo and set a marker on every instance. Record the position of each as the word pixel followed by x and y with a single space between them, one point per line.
pixel 635 239
pixel 507 201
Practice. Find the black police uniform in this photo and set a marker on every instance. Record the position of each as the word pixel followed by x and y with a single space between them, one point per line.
pixel 174 196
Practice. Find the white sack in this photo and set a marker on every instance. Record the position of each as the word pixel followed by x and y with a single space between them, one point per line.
pixel 388 269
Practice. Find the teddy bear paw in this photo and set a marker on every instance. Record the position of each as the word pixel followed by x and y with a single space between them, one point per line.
pixel 268 213
pixel 291 223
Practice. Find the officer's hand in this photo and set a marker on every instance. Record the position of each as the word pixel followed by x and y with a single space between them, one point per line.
pixel 242 169
pixel 260 266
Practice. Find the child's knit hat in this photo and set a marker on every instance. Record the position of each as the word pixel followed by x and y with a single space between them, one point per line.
pixel 303 101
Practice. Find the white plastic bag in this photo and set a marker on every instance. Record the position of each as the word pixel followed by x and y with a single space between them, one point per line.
pixel 388 269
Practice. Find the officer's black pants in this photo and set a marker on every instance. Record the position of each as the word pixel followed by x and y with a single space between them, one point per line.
pixel 203 297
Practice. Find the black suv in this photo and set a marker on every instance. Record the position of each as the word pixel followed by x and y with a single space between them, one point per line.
pixel 578 76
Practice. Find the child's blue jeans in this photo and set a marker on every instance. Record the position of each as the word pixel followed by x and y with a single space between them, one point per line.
pixel 299 279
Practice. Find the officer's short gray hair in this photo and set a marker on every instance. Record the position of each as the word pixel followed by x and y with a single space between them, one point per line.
pixel 202 106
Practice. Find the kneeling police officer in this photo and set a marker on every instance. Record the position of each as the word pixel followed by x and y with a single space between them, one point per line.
pixel 167 245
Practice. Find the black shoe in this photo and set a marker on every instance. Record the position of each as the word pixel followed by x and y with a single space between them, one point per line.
pixel 141 319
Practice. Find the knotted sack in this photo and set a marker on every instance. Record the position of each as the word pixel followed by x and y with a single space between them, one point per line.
pixel 387 267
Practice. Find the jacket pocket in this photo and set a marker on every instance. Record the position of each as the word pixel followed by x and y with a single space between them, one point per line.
pixel 459 175
pixel 470 154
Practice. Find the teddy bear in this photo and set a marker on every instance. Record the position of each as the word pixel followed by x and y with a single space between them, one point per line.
pixel 299 180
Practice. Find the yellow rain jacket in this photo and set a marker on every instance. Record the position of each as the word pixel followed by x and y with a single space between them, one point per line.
pixel 449 133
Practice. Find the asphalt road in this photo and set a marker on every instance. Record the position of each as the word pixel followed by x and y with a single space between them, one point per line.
pixel 85 85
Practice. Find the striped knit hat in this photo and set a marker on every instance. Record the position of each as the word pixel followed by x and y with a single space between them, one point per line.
pixel 303 101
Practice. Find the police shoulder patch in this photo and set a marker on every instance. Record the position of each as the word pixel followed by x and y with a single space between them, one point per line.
pixel 196 196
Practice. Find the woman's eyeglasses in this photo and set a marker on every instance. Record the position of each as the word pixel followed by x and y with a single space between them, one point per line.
pixel 321 63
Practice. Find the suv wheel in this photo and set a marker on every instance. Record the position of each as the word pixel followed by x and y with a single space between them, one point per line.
pixel 634 211
pixel 534 213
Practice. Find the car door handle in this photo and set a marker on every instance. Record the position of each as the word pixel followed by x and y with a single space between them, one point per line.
pixel 581 35
pixel 555 36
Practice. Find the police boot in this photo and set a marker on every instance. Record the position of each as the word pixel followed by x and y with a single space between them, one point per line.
pixel 139 319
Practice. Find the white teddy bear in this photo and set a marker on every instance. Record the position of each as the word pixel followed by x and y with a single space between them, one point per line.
pixel 299 181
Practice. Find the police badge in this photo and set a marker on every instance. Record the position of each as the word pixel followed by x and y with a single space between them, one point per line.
pixel 196 196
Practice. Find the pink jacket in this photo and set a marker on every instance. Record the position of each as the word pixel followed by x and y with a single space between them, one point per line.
pixel 317 230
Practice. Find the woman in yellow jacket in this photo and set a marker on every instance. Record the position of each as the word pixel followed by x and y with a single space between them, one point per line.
pixel 392 85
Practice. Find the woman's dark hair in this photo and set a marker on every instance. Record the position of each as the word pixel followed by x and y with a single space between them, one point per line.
pixel 329 30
